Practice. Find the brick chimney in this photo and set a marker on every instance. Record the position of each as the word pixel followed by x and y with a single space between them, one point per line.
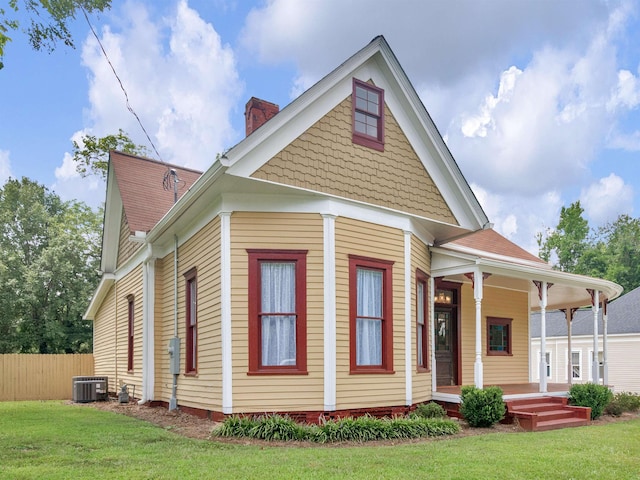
pixel 257 112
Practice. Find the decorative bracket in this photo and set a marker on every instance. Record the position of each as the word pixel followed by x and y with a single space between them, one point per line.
pixel 471 277
pixel 538 284
pixel 569 312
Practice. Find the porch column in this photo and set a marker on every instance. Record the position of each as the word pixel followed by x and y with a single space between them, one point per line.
pixel 542 286
pixel 605 315
pixel 478 371
pixel 568 312
pixel 408 324
pixel 330 361
pixel 595 304
pixel 225 312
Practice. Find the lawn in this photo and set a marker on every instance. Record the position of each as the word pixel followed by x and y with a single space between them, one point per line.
pixel 52 440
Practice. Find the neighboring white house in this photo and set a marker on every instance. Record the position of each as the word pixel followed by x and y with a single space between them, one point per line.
pixel 623 345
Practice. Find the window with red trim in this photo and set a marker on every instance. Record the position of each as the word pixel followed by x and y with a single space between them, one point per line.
pixel 498 336
pixel 422 320
pixel 368 115
pixel 370 315
pixel 191 333
pixel 277 311
pixel 130 330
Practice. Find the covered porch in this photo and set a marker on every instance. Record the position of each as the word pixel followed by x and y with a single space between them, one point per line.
pixel 451 393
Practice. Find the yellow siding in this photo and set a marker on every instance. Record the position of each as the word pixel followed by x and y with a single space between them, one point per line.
pixel 325 159
pixel 105 339
pixel 503 303
pixel 204 390
pixel 420 258
pixel 354 237
pixel 126 248
pixel 277 231
pixel 129 285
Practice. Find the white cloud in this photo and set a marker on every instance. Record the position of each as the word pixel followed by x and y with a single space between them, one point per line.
pixel 5 166
pixel 606 199
pixel 70 185
pixel 180 79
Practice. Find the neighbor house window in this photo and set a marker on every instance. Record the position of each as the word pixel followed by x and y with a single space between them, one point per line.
pixel 277 311
pixel 576 365
pixel 370 309
pixel 368 115
pixel 130 330
pixel 600 366
pixel 422 320
pixel 498 336
pixel 191 301
pixel 547 362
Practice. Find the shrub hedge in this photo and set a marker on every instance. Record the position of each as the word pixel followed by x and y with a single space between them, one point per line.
pixel 590 395
pixel 482 407
pixel 623 402
pixel 430 410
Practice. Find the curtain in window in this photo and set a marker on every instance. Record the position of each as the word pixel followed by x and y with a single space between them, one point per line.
pixel 369 317
pixel 278 287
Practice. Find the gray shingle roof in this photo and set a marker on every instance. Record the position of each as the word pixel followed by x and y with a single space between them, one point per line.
pixel 624 317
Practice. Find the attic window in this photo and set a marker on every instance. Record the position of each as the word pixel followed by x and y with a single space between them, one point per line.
pixel 368 115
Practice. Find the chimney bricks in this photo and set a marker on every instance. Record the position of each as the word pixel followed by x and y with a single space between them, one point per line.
pixel 257 112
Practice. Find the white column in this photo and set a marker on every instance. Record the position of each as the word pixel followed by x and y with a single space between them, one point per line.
pixel 408 287
pixel 225 311
pixel 594 365
pixel 569 315
pixel 605 315
pixel 543 338
pixel 148 301
pixel 330 351
pixel 478 371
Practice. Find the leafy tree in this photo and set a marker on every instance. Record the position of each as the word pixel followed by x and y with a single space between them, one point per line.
pixel 49 21
pixel 622 251
pixel 91 154
pixel 49 258
pixel 569 240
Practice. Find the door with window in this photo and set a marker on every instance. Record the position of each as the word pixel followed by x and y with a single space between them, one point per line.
pixel 446 337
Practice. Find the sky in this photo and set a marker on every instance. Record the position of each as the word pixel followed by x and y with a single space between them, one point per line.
pixel 538 101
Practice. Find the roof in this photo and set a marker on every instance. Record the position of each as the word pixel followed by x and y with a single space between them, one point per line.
pixel 140 181
pixel 490 242
pixel 623 317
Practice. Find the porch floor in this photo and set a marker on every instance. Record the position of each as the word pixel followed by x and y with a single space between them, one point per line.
pixel 513 389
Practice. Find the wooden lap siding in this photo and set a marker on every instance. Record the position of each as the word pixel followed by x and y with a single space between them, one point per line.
pixel 280 231
pixel 421 381
pixel 126 248
pixel 355 391
pixel 110 333
pixel 502 303
pixel 204 389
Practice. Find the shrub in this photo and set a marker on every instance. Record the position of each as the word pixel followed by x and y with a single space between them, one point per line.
pixel 276 427
pixel 430 410
pixel 482 407
pixel 623 402
pixel 590 395
pixel 235 426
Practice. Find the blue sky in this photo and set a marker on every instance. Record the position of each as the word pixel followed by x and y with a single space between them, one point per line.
pixel 539 102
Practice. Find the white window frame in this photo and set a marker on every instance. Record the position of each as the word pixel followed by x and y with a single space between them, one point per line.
pixel 579 364
pixel 600 365
pixel 549 363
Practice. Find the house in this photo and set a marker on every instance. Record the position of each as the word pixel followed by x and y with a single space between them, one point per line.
pixel 333 262
pixel 621 349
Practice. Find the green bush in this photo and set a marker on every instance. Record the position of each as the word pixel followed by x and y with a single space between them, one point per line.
pixel 623 402
pixel 361 429
pixel 430 410
pixel 482 407
pixel 590 395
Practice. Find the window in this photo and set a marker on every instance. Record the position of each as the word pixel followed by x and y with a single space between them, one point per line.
pixel 130 327
pixel 576 364
pixel 498 336
pixel 422 315
pixel 191 300
pixel 600 365
pixel 368 115
pixel 370 312
pixel 277 311
pixel 547 361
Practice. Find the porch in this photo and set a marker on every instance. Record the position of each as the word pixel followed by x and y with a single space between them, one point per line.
pixel 510 391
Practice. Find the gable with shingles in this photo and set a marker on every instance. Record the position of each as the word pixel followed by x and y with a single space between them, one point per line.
pixel 126 248
pixel 325 159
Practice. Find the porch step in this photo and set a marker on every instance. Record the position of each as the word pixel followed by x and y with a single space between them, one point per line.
pixel 547 413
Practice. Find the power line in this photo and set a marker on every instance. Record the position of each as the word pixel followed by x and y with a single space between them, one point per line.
pixel 129 107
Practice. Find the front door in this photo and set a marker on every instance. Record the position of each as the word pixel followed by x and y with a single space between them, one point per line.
pixel 446 346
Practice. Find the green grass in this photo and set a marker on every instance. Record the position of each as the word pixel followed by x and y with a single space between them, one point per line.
pixel 50 440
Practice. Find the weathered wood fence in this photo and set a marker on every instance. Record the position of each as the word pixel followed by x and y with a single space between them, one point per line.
pixel 41 377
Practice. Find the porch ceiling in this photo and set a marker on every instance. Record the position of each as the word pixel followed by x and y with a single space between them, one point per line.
pixel 568 290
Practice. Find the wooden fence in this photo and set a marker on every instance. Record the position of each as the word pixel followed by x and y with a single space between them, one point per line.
pixel 41 377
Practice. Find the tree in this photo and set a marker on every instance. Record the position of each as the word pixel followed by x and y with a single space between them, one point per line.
pixel 49 260
pixel 49 21
pixel 568 241
pixel 91 153
pixel 622 240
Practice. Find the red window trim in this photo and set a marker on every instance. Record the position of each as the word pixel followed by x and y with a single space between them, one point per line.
pixel 191 331
pixel 256 256
pixel 376 143
pixel 423 278
pixel 130 331
pixel 505 322
pixel 385 266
